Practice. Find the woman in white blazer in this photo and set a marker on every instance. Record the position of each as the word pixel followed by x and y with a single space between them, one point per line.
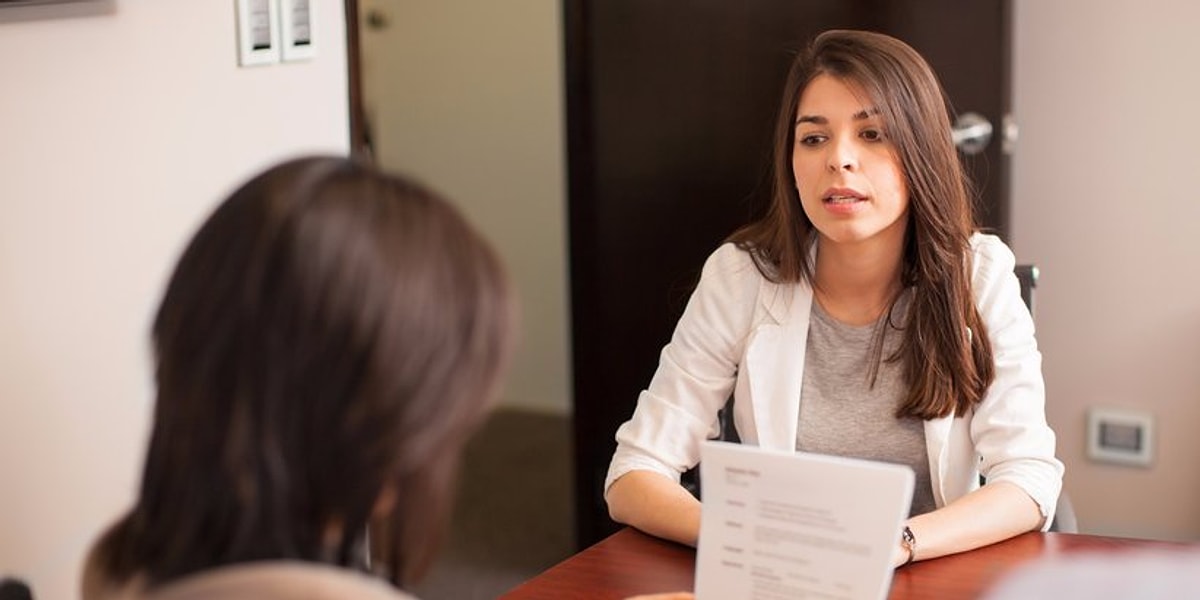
pixel 866 288
pixel 326 344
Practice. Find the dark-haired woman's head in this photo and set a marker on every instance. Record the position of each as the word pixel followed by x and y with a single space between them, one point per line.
pixel 899 86
pixel 917 188
pixel 329 339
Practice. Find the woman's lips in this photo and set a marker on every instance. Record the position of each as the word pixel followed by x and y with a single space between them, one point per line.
pixel 842 196
pixel 843 201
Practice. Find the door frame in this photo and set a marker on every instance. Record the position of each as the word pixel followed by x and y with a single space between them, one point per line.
pixel 360 138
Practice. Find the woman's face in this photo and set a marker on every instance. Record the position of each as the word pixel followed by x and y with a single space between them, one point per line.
pixel 847 172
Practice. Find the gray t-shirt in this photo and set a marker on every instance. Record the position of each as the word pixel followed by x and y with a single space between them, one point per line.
pixel 841 414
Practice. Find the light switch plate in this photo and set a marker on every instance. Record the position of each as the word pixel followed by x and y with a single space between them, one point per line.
pixel 1120 436
pixel 297 29
pixel 258 33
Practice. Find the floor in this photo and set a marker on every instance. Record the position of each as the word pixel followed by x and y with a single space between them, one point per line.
pixel 514 517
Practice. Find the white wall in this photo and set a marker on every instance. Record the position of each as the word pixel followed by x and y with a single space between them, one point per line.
pixel 1105 202
pixel 468 97
pixel 121 125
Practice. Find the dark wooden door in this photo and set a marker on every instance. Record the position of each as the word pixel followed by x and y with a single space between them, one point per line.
pixel 669 111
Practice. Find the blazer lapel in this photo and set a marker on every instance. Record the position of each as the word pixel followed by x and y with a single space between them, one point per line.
pixel 775 365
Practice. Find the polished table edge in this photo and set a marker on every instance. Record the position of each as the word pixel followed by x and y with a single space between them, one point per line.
pixel 969 575
pixel 615 567
pixel 630 562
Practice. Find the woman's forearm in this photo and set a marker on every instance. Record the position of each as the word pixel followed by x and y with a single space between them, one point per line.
pixel 993 513
pixel 656 505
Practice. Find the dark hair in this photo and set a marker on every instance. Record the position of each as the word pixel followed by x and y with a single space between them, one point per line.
pixel 331 336
pixel 947 358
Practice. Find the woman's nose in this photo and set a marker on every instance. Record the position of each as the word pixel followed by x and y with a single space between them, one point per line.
pixel 842 156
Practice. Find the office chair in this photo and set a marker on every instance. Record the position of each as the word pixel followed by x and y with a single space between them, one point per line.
pixel 1027 275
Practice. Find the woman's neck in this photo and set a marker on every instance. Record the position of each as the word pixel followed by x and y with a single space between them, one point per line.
pixel 855 283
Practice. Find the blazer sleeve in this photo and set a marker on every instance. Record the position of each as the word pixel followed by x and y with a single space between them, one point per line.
pixel 1009 428
pixel 696 372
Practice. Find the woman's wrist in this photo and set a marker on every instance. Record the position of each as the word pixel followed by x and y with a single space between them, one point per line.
pixel 908 541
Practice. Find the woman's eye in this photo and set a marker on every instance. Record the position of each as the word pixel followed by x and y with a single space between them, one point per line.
pixel 811 139
pixel 872 135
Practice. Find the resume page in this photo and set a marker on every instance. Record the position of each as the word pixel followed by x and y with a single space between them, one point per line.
pixel 781 526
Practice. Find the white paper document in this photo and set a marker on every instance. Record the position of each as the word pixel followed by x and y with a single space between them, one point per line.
pixel 782 526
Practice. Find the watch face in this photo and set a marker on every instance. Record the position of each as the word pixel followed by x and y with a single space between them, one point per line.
pixel 909 541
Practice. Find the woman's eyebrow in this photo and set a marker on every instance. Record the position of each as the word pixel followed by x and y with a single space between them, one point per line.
pixel 819 120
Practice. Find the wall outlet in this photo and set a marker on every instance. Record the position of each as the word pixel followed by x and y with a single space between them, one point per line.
pixel 296 29
pixel 258 34
pixel 1120 436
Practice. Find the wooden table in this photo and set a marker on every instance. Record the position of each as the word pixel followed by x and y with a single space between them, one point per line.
pixel 630 562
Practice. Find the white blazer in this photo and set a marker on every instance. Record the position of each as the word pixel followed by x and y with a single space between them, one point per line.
pixel 740 333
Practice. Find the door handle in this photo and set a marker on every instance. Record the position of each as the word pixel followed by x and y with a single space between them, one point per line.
pixel 377 20
pixel 971 133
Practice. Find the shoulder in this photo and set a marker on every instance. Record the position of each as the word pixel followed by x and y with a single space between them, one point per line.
pixel 993 277
pixel 733 263
pixel 991 255
pixel 992 265
pixel 278 580
pixel 730 260
pixel 730 270
pixel 732 279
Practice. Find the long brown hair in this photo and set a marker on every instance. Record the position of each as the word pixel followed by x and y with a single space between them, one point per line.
pixel 331 336
pixel 945 351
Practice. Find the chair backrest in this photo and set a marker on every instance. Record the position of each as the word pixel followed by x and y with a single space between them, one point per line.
pixel 1028 276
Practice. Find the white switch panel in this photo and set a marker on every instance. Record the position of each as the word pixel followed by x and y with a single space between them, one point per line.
pixel 258 34
pixel 1120 436
pixel 297 29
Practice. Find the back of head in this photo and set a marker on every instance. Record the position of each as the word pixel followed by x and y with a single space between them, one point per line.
pixel 329 338
pixel 14 589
